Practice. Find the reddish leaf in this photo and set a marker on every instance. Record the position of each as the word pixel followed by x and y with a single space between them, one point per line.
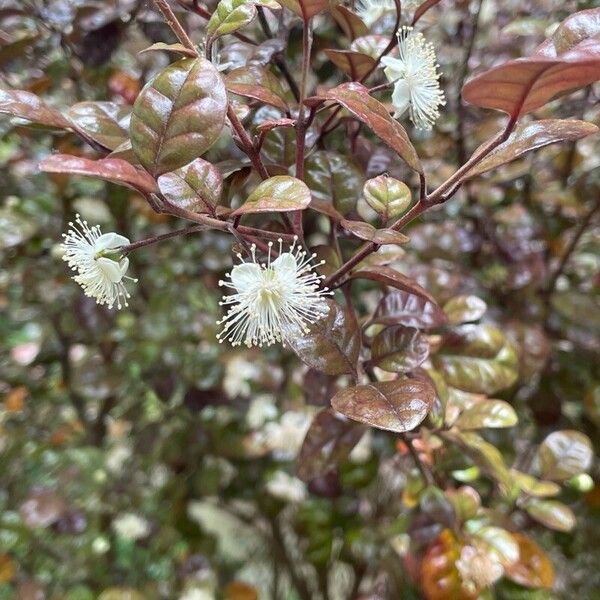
pixel 109 169
pixel 258 83
pixel 277 194
pixel 423 8
pixel 354 64
pixel 531 137
pixel 399 349
pixel 26 105
pixel 106 123
pixel 525 84
pixel 328 442
pixel 196 187
pixel 393 278
pixel 333 343
pixel 305 8
pixel 580 26
pixel 402 308
pixel 533 569
pixel 351 24
pixel 366 231
pixel 177 48
pixel 355 98
pixel 397 406
pixel 178 115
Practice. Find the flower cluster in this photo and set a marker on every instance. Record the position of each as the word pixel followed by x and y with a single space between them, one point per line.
pixel 415 76
pixel 87 251
pixel 273 299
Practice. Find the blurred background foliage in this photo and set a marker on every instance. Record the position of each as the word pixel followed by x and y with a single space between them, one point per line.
pixel 141 459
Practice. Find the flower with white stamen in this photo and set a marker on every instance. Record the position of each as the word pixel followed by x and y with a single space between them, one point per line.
pixel 370 11
pixel 416 79
pixel 88 251
pixel 271 300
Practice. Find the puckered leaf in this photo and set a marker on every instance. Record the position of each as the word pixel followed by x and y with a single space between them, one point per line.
pixel 328 442
pixel 196 187
pixel 551 513
pixel 389 197
pixel 107 123
pixel 533 569
pixel 332 344
pixel 355 98
pixel 277 194
pixel 564 454
pixel 399 349
pixel 255 82
pixel 231 15
pixel 462 309
pixel 109 169
pixel 178 115
pixel 26 105
pixel 398 406
pixel 393 278
pixel 366 231
pixel 402 308
pixel 477 358
pixel 489 413
pixel 532 136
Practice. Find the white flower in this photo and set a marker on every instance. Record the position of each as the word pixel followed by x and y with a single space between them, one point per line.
pixel 285 437
pixel 416 79
pixel 131 526
pixel 261 410
pixel 478 568
pixel 197 594
pixel 370 11
pixel 272 300
pixel 86 251
pixel 286 487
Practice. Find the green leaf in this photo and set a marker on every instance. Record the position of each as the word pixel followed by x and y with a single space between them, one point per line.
pixel 551 513
pixel 500 542
pixel 398 406
pixel 334 178
pixel 231 15
pixel 276 194
pixel 389 197
pixel 477 358
pixel 465 500
pixel 366 231
pixel 178 115
pixel 462 309
pixel 534 487
pixel 177 48
pixel 564 454
pixel 333 343
pixel 328 442
pixel 399 349
pixel 489 413
pixel 107 123
pixel 196 187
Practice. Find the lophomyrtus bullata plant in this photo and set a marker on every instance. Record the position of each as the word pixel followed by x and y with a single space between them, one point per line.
pixel 399 387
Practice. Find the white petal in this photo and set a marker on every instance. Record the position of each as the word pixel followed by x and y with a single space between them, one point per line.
pixel 401 97
pixel 285 266
pixel 124 265
pixel 245 275
pixel 110 268
pixel 110 241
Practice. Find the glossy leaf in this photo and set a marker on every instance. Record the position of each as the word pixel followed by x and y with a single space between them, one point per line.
pixel 25 105
pixel 564 454
pixel 466 502
pixel 534 487
pixel 107 123
pixel 258 83
pixel 332 344
pixel 489 413
pixel 477 358
pixel 231 15
pixel 401 308
pixel 328 442
pixel 305 8
pixel 334 178
pixel 532 136
pixel 398 406
pixel 351 24
pixel 578 27
pixel 500 542
pixel 355 98
pixel 393 278
pixel 534 568
pixel 551 513
pixel 176 48
pixel 389 197
pixel 399 349
pixel 109 169
pixel 462 309
pixel 196 187
pixel 354 64
pixel 277 194
pixel 521 86
pixel 366 231
pixel 178 115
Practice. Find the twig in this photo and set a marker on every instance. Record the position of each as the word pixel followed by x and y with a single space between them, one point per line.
pixel 425 472
pixel 175 25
